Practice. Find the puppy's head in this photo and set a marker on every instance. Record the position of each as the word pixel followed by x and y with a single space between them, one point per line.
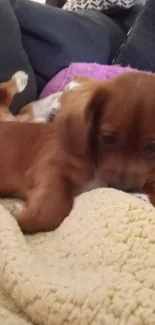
pixel 114 123
pixel 126 142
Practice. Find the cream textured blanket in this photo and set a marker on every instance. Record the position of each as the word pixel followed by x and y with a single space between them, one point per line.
pixel 98 268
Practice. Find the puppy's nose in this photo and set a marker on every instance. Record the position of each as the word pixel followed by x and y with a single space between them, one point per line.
pixel 126 187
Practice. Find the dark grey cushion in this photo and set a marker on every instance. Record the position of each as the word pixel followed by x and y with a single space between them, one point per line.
pixel 12 55
pixel 139 49
pixel 126 19
pixel 53 38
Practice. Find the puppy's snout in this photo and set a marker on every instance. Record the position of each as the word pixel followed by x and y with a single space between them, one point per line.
pixel 126 187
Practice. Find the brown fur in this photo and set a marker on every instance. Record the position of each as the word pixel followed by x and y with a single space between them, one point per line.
pixel 103 130
pixel 40 164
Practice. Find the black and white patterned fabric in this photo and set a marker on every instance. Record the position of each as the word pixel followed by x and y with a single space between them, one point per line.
pixel 101 5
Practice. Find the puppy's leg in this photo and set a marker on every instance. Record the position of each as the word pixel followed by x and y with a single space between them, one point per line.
pixel 47 207
pixel 8 90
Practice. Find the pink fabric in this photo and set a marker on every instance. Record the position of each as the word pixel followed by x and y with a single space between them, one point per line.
pixel 93 70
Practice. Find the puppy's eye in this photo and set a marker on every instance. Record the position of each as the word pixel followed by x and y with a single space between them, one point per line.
pixel 150 148
pixel 109 138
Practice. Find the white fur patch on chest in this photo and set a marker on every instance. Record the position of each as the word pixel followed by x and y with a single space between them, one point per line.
pixel 46 108
pixel 72 85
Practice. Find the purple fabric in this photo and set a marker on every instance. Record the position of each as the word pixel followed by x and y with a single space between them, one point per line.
pixel 93 70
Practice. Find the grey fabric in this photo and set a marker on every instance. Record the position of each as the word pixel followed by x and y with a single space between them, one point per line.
pixel 139 49
pixel 12 55
pixel 126 19
pixel 53 38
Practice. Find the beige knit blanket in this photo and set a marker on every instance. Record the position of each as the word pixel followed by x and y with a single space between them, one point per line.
pixel 98 268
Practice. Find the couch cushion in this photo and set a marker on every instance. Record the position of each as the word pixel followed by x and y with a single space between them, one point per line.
pixel 12 54
pixel 139 48
pixel 54 38
pixel 126 19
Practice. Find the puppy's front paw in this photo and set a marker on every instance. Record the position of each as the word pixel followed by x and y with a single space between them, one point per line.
pixel 21 80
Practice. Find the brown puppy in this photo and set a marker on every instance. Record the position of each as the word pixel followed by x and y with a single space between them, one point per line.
pixel 48 164
pixel 104 134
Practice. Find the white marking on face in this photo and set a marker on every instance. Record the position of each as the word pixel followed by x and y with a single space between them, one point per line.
pixel 46 107
pixel 72 85
pixel 21 80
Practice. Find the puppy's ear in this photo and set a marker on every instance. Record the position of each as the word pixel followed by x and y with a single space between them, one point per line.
pixel 79 117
